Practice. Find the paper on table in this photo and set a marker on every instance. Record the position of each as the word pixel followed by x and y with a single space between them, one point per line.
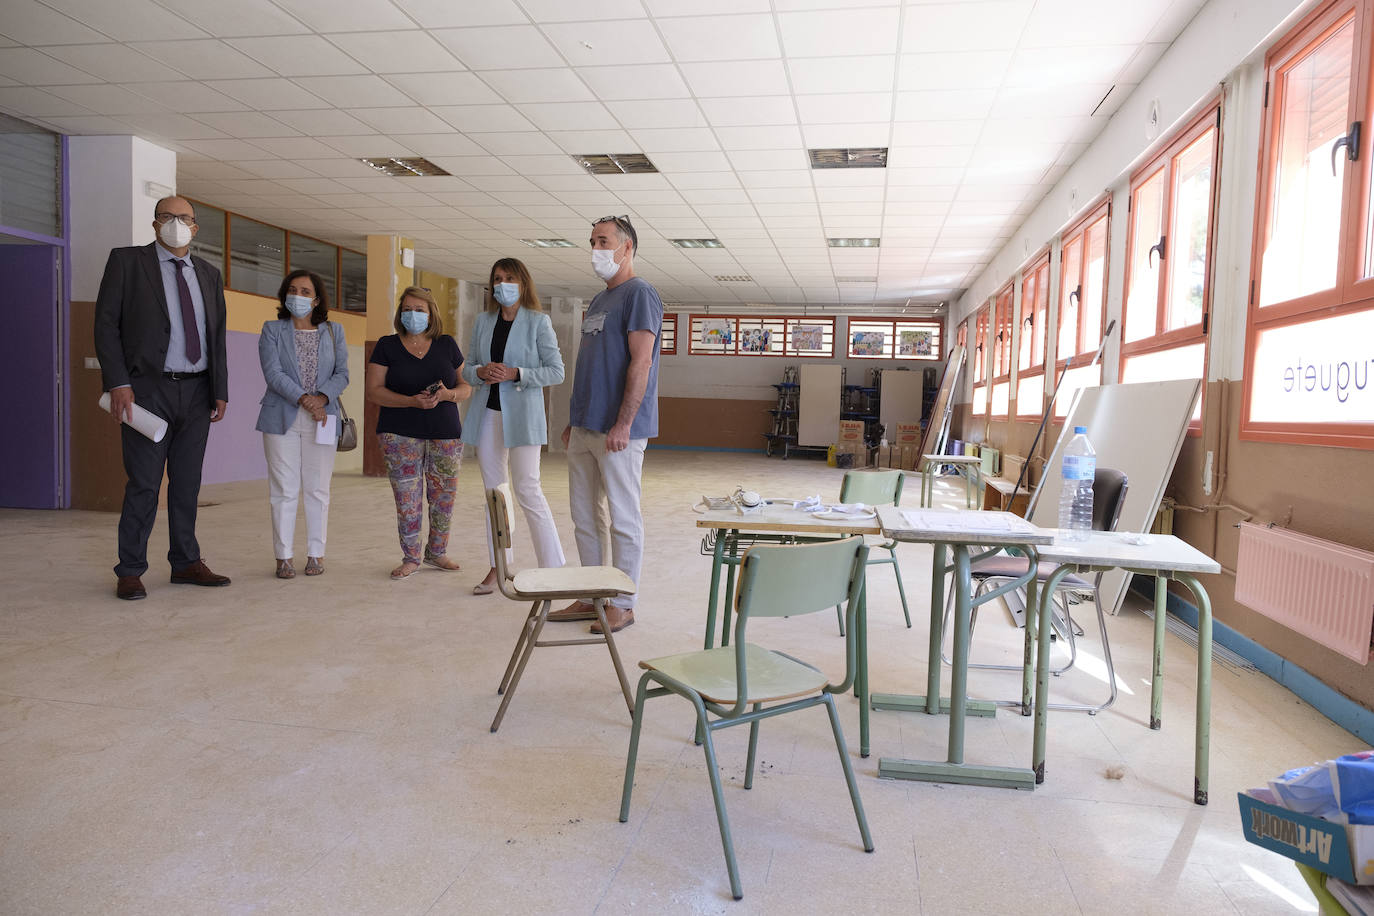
pixel 327 433
pixel 967 522
pixel 141 419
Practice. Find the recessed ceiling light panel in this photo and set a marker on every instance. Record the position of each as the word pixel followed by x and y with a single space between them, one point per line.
pixel 854 243
pixel 405 167
pixel 733 278
pixel 548 243
pixel 869 157
pixel 697 243
pixel 615 163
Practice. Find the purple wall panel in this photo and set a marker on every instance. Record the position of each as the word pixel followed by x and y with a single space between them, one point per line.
pixel 235 448
pixel 29 460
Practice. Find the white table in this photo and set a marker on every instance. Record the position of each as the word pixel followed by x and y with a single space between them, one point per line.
pixel 1164 557
pixel 957 530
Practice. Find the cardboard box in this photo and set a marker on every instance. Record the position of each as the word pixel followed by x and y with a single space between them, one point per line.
pixel 911 456
pixel 1345 851
pixel 851 431
pixel 908 434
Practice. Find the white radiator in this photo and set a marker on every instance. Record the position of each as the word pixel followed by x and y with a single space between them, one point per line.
pixel 1321 589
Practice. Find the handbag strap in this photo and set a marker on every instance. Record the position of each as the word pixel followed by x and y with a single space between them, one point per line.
pixel 343 414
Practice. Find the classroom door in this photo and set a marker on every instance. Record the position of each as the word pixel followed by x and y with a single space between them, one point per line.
pixel 31 463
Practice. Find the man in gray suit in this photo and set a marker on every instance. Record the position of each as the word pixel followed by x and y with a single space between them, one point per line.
pixel 159 334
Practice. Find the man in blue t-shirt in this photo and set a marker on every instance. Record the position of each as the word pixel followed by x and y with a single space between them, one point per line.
pixel 613 414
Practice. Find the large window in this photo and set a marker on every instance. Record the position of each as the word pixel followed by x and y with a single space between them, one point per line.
pixel 1169 258
pixel 1082 304
pixel 257 256
pixel 320 257
pixel 999 401
pixel 895 338
pixel 767 335
pixel 209 240
pixel 30 178
pixel 1031 326
pixel 1311 309
pixel 667 338
pixel 981 359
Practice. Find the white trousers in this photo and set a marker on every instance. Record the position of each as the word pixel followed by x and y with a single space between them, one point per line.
pixel 598 478
pixel 295 463
pixel 492 460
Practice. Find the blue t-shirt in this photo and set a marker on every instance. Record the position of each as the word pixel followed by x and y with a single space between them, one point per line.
pixel 604 358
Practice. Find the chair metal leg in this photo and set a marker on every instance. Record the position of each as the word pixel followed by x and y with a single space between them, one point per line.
pixel 901 590
pixel 718 794
pixel 530 641
pixel 633 755
pixel 519 645
pixel 599 604
pixel 839 618
pixel 849 773
pixel 753 749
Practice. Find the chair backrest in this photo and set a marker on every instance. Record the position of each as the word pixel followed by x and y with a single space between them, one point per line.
pixel 875 488
pixel 498 517
pixel 793 579
pixel 1109 495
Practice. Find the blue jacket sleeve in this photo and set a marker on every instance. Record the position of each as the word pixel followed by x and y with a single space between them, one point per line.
pixel 550 368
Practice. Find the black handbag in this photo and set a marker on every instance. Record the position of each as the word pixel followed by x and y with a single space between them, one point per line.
pixel 348 428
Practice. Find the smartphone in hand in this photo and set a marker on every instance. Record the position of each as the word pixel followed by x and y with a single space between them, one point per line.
pixel 434 388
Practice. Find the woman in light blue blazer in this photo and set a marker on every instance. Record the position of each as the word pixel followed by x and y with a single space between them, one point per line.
pixel 513 357
pixel 304 359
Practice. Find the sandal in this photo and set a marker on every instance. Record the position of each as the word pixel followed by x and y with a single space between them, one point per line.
pixel 314 566
pixel 442 562
pixel 407 569
pixel 285 570
pixel 482 588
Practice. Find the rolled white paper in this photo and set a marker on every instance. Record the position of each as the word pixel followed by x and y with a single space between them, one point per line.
pixel 143 421
pixel 326 433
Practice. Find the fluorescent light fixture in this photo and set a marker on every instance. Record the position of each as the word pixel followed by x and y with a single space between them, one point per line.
pixel 697 243
pixel 733 278
pixel 615 163
pixel 867 157
pixel 854 243
pixel 405 167
pixel 548 243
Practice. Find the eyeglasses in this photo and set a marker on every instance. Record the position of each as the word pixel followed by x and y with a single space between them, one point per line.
pixel 622 220
pixel 184 218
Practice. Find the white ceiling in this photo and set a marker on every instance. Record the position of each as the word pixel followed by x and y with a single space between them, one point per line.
pixel 268 103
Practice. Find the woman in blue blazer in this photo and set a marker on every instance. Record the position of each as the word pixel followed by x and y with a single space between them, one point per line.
pixel 513 357
pixel 305 362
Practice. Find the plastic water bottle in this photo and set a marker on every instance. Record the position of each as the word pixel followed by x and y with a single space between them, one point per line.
pixel 1076 496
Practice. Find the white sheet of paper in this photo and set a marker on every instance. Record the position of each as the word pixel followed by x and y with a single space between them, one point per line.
pixel 327 433
pixel 145 421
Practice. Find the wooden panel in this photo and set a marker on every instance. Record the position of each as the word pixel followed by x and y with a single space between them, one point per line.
pixel 818 415
pixel 97 461
pixel 712 423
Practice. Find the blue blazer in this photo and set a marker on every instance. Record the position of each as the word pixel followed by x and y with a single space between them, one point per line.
pixel 533 349
pixel 277 353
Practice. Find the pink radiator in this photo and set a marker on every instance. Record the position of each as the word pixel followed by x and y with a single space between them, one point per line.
pixel 1322 589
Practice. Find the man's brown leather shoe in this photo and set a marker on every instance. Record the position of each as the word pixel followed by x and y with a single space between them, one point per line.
pixel 617 618
pixel 198 574
pixel 578 610
pixel 130 588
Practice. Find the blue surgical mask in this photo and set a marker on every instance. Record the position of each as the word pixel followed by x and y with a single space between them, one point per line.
pixel 300 306
pixel 506 293
pixel 415 322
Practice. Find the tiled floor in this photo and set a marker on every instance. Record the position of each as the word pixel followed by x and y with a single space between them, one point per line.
pixel 322 745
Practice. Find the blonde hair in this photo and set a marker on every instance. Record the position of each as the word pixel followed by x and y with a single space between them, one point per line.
pixel 529 296
pixel 436 321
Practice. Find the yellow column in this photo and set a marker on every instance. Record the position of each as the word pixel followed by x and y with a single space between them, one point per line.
pixel 387 275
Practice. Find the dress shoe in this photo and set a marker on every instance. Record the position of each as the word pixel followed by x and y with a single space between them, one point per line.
pixel 130 588
pixel 618 618
pixel 578 610
pixel 198 574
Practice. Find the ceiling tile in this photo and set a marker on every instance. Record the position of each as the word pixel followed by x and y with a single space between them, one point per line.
pixel 87 124
pixel 795 174
pixel 580 142
pixel 438 14
pixel 953 70
pixel 317 186
pixel 750 110
pixel 411 51
pixel 236 151
pixel 936 133
pixel 830 136
pixel 569 116
pixel 32 23
pixel 721 38
pixel 237 19
pixel 247 124
pixel 268 94
pixel 172 126
pixel 737 78
pixel 127 20
pixel 496 47
pixel 1039 67
pixel 922 157
pixel 501 143
pixel 483 118
pixel 589 44
pixel 408 120
pixel 965 26
pixel 546 85
pixel 323 122
pixel 371 146
pixel 293 147
pixel 765 138
pixel 331 16
pixel 642 81
pixel 338 167
pixel 658 113
pixel 34 68
pixel 829 33
pixel 715 179
pixel 445 144
pixel 674 140
pixel 946 104
pixel 872 73
pixel 298 55
pixel 113 63
pixel 845 108
pixel 1076 101
pixel 204 60
pixel 774 161
pixel 354 91
pixel 1077 23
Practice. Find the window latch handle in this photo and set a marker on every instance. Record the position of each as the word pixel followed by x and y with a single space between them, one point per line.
pixel 1156 250
pixel 1077 294
pixel 1351 143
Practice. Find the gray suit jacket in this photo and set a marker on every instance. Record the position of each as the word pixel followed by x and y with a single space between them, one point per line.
pixel 132 326
pixel 277 353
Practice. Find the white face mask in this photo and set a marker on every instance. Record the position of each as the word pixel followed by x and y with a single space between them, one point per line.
pixel 300 306
pixel 604 264
pixel 174 234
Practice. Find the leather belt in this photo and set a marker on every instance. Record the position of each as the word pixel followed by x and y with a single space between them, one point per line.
pixel 181 376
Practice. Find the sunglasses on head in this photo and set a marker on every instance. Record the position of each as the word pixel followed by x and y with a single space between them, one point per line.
pixel 621 220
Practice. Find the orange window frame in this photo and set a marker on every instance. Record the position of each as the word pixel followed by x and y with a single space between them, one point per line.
pixel 981 320
pixel 1031 327
pixel 1079 235
pixel 1002 352
pixel 1351 293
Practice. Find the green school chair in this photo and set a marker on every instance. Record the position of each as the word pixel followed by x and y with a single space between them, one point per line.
pixel 877 488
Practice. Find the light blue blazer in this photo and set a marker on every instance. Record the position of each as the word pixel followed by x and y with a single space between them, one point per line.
pixel 533 349
pixel 277 353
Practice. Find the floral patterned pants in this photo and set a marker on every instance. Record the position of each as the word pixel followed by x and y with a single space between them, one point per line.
pixel 436 461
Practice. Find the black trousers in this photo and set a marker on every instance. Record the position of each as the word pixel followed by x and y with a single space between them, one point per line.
pixel 186 406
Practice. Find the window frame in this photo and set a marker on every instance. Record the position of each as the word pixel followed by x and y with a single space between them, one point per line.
pixel 1037 276
pixel 668 328
pixel 1350 294
pixel 1000 332
pixel 787 351
pixel 893 326
pixel 982 320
